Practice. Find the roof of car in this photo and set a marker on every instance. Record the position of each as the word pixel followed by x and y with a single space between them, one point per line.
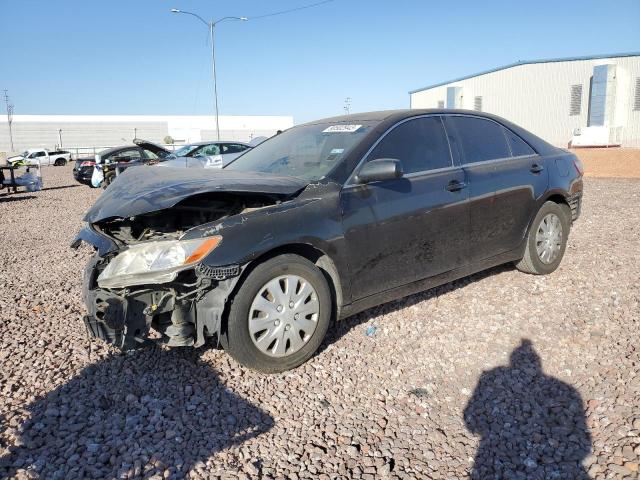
pixel 107 151
pixel 212 142
pixel 388 118
pixel 397 115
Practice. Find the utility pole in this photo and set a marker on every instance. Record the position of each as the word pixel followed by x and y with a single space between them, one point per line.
pixel 347 105
pixel 9 117
pixel 60 137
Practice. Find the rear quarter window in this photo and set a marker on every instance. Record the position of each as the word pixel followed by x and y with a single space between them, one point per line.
pixel 479 139
pixel 519 147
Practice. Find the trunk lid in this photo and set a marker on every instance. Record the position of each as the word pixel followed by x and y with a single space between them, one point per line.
pixel 152 147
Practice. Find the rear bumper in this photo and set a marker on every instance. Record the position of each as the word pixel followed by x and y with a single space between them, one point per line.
pixel 83 175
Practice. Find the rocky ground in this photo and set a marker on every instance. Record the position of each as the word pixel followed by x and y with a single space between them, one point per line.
pixel 500 375
pixel 610 162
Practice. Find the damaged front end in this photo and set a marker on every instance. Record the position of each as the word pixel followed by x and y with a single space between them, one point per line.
pixel 150 270
pixel 184 311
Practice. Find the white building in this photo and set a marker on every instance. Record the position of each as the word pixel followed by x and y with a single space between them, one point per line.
pixel 588 101
pixel 46 131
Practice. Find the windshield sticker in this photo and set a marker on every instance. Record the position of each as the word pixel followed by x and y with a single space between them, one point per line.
pixel 341 129
pixel 337 151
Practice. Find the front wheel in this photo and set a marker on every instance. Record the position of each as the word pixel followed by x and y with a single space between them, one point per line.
pixel 546 240
pixel 279 316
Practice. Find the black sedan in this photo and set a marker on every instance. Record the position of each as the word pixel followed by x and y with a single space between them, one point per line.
pixel 318 223
pixel 141 152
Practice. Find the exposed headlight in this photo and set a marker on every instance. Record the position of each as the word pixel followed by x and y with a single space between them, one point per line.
pixel 155 262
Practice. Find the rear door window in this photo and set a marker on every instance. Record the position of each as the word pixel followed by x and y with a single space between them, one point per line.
pixel 519 147
pixel 420 144
pixel 228 148
pixel 480 139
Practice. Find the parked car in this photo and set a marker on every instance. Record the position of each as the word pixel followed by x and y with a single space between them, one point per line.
pixel 196 155
pixel 141 151
pixel 40 156
pixel 206 154
pixel 320 222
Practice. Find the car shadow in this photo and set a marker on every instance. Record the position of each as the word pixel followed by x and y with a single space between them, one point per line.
pixel 531 425
pixel 344 326
pixel 151 412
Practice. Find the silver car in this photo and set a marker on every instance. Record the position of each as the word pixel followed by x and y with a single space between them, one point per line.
pixel 206 154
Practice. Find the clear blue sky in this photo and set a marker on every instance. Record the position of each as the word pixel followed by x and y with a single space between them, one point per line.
pixel 134 57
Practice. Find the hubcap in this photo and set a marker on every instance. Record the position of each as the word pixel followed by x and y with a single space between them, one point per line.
pixel 283 315
pixel 549 238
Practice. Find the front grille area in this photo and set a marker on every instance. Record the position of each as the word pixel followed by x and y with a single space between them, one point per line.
pixel 575 202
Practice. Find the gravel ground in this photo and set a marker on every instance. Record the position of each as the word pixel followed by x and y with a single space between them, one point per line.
pixel 500 375
pixel 610 162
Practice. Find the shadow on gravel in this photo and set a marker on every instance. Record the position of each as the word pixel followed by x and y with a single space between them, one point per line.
pixel 61 187
pixel 14 197
pixel 532 425
pixel 132 415
pixel 342 327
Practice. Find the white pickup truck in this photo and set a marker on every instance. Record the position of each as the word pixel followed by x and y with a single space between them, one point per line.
pixel 40 156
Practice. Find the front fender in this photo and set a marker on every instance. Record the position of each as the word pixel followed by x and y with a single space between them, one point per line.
pixel 90 236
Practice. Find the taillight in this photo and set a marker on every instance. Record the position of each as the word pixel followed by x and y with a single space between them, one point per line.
pixel 88 163
pixel 578 165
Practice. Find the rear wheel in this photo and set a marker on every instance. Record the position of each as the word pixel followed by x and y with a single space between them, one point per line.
pixel 546 240
pixel 279 316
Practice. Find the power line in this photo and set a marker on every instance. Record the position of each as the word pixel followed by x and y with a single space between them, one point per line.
pixel 282 12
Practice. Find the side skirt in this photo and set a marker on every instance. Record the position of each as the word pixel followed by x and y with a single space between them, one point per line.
pixel 430 282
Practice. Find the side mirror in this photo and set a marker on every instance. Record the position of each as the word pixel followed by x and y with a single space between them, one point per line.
pixel 380 169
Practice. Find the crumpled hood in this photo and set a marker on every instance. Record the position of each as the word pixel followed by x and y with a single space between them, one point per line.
pixel 147 189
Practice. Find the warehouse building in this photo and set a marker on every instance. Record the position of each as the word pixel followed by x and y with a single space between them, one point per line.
pixel 73 131
pixel 582 101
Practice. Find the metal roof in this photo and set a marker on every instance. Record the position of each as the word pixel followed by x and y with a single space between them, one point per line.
pixel 528 62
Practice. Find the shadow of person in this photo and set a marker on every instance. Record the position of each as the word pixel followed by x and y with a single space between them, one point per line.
pixel 532 425
pixel 140 414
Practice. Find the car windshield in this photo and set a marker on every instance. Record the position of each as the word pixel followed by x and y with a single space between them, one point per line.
pixel 309 152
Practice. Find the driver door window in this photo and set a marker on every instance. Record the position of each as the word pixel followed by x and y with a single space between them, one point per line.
pixel 208 151
pixel 420 145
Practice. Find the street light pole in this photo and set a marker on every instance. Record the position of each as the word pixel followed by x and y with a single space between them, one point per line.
pixel 211 27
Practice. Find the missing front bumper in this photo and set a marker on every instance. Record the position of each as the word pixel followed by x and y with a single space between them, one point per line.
pixel 125 319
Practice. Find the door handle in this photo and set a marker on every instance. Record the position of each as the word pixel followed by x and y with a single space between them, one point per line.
pixel 536 168
pixel 455 186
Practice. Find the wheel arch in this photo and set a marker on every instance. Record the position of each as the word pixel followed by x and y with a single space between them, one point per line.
pixel 559 197
pixel 316 256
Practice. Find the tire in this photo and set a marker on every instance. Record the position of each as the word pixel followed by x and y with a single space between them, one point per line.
pixel 237 338
pixel 538 264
